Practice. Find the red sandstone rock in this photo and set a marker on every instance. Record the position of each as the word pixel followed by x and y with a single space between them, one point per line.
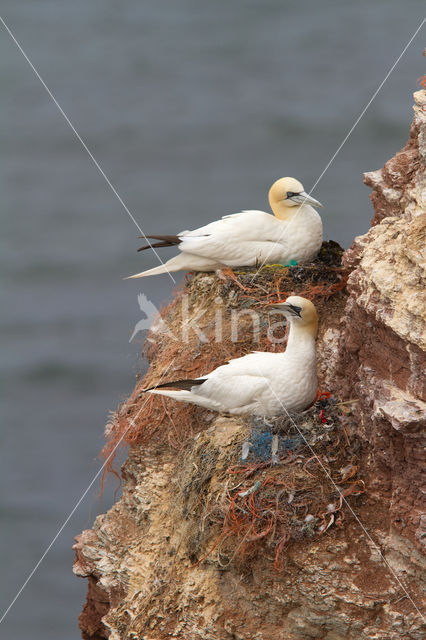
pixel 383 337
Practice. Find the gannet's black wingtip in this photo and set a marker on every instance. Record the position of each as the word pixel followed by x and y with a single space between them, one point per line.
pixel 183 385
pixel 164 241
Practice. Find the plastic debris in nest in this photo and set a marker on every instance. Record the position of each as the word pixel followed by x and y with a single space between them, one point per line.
pixel 293 484
pixel 266 445
pixel 269 439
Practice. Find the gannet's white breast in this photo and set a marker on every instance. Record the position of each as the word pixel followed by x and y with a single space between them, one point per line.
pixel 250 238
pixel 303 237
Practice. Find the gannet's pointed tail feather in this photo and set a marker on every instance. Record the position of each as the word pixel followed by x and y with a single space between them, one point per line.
pixel 164 241
pixel 181 395
pixel 183 261
pixel 174 264
pixel 185 385
pixel 183 392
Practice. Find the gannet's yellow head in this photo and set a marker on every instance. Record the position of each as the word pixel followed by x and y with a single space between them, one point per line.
pixel 301 313
pixel 287 193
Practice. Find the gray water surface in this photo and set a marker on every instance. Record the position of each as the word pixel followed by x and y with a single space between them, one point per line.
pixel 193 109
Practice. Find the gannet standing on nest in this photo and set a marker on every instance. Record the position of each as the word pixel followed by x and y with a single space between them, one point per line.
pixel 250 238
pixel 261 383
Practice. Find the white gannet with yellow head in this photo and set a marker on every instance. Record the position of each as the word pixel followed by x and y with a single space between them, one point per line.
pixel 249 238
pixel 260 383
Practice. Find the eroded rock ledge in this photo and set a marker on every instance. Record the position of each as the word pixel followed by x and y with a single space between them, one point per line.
pixel 156 571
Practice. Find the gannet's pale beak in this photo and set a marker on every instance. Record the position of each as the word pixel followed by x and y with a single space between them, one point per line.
pixel 286 308
pixel 305 198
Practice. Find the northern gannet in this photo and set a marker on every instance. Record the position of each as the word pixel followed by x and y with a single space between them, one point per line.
pixel 260 383
pixel 250 238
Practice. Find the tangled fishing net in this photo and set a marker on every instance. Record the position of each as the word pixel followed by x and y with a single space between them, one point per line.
pixel 288 479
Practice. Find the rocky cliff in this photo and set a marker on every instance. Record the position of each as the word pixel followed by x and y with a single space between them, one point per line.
pixel 305 527
pixel 383 339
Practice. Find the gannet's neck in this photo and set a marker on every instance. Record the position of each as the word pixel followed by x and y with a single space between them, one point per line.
pixel 299 336
pixel 284 212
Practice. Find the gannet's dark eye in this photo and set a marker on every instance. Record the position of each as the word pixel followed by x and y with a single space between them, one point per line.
pixel 290 194
pixel 297 310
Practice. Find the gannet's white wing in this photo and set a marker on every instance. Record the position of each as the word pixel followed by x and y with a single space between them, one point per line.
pixel 253 364
pixel 245 238
pixel 241 223
pixel 234 392
pixel 247 225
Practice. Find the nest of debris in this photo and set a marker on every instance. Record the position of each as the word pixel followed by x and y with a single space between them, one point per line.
pixel 278 481
pixel 147 419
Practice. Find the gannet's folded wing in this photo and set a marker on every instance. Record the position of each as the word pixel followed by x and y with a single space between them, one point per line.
pixel 256 363
pixel 247 224
pixel 233 391
pixel 241 381
pixel 240 239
